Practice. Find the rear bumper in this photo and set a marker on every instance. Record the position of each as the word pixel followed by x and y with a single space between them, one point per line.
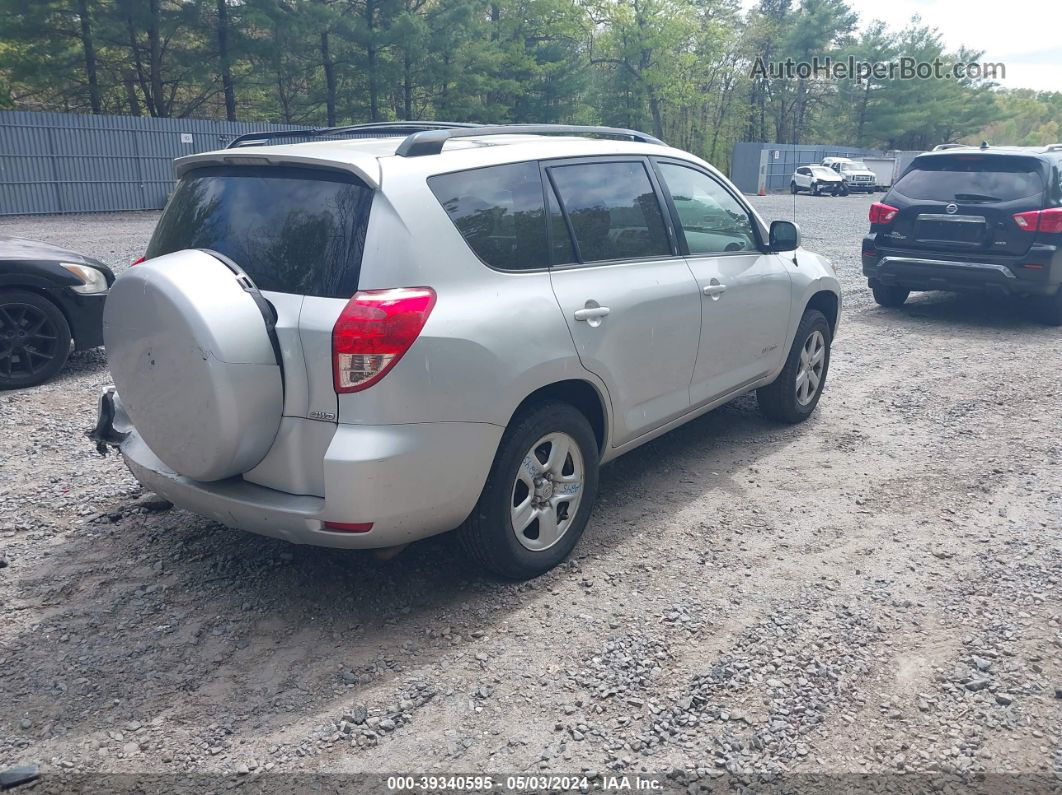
pixel 920 273
pixel 410 481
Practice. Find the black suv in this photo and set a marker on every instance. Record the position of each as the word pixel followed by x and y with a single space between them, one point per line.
pixel 966 218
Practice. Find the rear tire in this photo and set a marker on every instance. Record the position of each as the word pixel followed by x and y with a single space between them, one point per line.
pixel 1049 310
pixel 526 486
pixel 891 297
pixel 795 393
pixel 793 188
pixel 34 339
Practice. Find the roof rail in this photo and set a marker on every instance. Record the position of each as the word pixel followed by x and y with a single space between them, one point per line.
pixel 1053 148
pixel 384 127
pixel 942 147
pixel 430 142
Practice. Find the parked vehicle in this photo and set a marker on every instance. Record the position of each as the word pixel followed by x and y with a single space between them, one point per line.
pixel 51 300
pixel 885 171
pixel 363 343
pixel 816 180
pixel 971 219
pixel 856 176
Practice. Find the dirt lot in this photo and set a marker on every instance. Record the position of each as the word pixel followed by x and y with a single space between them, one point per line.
pixel 877 590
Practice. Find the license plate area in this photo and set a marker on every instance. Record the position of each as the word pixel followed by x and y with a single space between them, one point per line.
pixel 962 229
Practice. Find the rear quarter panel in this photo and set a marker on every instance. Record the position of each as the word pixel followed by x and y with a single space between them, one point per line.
pixel 492 338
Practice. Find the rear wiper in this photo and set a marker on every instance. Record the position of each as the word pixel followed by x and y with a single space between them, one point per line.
pixel 976 197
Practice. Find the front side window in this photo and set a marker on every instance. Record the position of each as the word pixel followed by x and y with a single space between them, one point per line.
pixel 613 209
pixel 711 219
pixel 499 212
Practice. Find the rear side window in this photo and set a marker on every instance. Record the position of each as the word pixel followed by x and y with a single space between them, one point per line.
pixel 972 178
pixel 292 230
pixel 613 210
pixel 499 212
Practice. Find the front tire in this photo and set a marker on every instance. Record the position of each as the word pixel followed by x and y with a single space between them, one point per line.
pixel 538 496
pixel 890 297
pixel 34 339
pixel 795 393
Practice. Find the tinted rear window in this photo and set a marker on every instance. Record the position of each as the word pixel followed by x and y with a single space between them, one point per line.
pixel 972 178
pixel 292 230
pixel 499 212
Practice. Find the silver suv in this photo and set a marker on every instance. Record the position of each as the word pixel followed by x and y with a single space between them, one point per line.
pixel 361 343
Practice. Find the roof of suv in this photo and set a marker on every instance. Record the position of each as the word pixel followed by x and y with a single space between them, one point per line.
pixel 369 158
pixel 1053 151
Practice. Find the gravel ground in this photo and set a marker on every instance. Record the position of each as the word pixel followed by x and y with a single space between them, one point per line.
pixel 874 591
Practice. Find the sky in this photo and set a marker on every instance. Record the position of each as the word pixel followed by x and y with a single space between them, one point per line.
pixel 1025 35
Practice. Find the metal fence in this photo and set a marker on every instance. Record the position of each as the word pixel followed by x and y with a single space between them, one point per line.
pixel 770 166
pixel 67 163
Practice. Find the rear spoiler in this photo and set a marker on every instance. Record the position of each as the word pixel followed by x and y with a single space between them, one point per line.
pixel 365 167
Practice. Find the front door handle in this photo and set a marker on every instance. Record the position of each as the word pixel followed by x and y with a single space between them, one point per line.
pixel 715 290
pixel 592 313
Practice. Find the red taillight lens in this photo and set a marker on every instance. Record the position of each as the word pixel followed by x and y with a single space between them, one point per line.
pixel 882 213
pixel 1047 221
pixel 348 527
pixel 374 331
pixel 138 260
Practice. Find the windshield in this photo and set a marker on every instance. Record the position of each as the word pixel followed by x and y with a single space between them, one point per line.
pixel 293 230
pixel 855 165
pixel 972 178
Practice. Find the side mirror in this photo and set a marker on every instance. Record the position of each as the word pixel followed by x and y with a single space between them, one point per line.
pixel 785 236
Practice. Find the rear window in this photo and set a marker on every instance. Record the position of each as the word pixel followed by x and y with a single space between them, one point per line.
pixel 972 178
pixel 499 212
pixel 293 230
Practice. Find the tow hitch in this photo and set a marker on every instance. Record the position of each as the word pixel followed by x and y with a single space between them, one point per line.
pixel 104 434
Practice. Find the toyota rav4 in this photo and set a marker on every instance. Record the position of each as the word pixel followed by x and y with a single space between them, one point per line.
pixel 361 343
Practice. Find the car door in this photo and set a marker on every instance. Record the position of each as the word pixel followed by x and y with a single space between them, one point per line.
pixel 627 295
pixel 803 177
pixel 745 293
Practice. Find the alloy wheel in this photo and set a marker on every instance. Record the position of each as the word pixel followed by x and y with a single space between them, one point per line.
pixel 547 490
pixel 812 362
pixel 29 340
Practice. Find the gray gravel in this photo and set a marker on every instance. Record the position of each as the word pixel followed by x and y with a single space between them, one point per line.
pixel 874 591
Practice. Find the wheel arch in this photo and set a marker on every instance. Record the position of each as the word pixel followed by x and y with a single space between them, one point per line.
pixel 581 394
pixel 44 293
pixel 827 302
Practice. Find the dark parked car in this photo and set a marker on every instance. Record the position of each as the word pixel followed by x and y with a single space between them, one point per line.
pixel 967 218
pixel 51 300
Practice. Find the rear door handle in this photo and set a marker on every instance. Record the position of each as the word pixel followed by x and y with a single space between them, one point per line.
pixel 592 313
pixel 715 289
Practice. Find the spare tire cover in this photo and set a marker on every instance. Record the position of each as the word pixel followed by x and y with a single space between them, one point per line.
pixel 195 367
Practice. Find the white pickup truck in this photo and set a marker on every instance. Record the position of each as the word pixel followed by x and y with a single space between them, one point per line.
pixel 857 177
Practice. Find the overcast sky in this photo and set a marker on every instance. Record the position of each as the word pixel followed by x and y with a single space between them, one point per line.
pixel 1026 35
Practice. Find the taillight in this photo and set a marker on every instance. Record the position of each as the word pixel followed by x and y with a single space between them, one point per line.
pixel 138 260
pixel 882 213
pixel 1048 221
pixel 374 331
